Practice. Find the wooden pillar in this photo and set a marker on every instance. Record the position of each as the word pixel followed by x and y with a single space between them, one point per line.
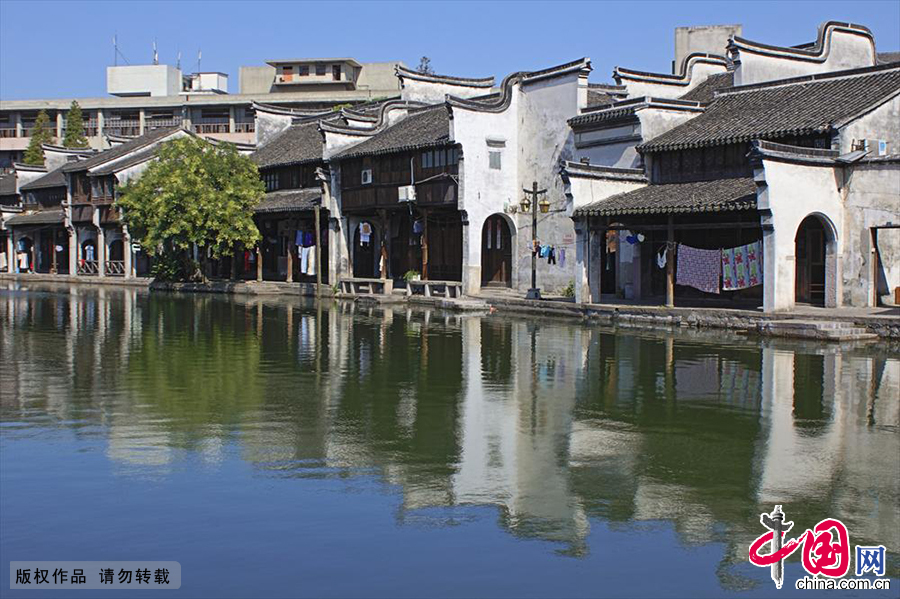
pixel 318 249
pixel 424 244
pixel 259 276
pixel 670 263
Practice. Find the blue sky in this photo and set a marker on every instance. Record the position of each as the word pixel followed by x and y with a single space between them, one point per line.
pixel 61 49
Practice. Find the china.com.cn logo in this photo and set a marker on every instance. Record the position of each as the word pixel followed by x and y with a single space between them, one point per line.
pixel 826 549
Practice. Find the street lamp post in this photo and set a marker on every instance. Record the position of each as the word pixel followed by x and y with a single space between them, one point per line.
pixel 530 203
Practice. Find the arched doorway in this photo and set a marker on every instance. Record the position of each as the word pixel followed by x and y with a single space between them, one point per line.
pixel 496 252
pixel 366 251
pixel 817 272
pixel 810 252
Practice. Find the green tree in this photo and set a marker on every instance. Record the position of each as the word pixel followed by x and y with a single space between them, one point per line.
pixel 40 135
pixel 425 66
pixel 75 128
pixel 194 193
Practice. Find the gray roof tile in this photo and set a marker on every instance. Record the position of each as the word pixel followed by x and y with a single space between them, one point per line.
pixel 420 129
pixel 42 217
pixel 289 200
pixel 296 144
pixel 674 198
pixel 55 178
pixel 706 91
pixel 120 150
pixel 802 106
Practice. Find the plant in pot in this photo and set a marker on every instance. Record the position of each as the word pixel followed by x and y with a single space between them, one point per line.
pixel 412 275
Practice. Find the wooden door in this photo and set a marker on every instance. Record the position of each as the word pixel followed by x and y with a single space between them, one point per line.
pixel 496 253
pixel 809 286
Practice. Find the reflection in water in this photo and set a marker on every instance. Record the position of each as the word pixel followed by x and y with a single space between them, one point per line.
pixel 558 426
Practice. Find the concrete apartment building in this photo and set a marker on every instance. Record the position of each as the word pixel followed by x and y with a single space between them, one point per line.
pixel 146 97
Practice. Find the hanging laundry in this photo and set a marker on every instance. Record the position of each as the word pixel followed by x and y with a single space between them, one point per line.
pixel 631 239
pixel 661 258
pixel 418 226
pixel 311 260
pixel 545 251
pixel 551 255
pixel 562 257
pixel 742 266
pixel 304 260
pixel 298 237
pixel 698 268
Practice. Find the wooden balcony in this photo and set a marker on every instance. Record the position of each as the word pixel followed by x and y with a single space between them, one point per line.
pixel 115 268
pixel 88 267
pixel 6 132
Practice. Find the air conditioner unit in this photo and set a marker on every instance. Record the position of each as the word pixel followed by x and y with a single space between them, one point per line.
pixel 366 176
pixel 407 193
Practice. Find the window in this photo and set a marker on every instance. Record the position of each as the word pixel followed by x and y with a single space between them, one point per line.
pixel 320 70
pixel 336 72
pixel 427 159
pixel 494 160
pixel 288 70
pixel 452 156
pixel 303 70
pixel 271 180
pixel 366 176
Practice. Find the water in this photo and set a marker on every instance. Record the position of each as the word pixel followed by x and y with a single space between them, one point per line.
pixel 279 449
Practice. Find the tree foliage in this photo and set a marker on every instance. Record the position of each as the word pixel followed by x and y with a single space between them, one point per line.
pixel 194 193
pixel 40 135
pixel 425 66
pixel 74 137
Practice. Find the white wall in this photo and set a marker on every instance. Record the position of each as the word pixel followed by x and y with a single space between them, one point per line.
pixel 841 49
pixel 143 80
pixel 792 193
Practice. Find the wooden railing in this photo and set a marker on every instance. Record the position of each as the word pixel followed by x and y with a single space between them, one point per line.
pixel 115 268
pixel 216 126
pixel 7 131
pixel 29 131
pixel 88 267
pixel 249 127
pixel 159 123
pixel 128 127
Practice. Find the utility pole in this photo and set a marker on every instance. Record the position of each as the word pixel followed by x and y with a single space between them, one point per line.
pixel 530 201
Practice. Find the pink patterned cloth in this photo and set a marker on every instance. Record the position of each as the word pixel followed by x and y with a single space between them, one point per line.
pixel 698 268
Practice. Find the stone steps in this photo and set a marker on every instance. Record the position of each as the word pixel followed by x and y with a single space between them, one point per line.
pixel 815 329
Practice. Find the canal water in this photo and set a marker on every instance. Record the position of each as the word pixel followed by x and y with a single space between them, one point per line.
pixel 278 449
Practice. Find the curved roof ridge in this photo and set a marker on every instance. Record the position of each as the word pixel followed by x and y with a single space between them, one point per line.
pixel 404 73
pixel 683 77
pixel 816 51
pixel 381 119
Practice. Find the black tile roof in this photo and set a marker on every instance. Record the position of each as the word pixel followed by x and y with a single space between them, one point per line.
pixel 706 91
pixel 674 198
pixel 8 185
pixel 120 150
pixel 43 217
pixel 124 163
pixel 55 178
pixel 420 129
pixel 296 144
pixel 801 106
pixel 887 57
pixel 289 200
